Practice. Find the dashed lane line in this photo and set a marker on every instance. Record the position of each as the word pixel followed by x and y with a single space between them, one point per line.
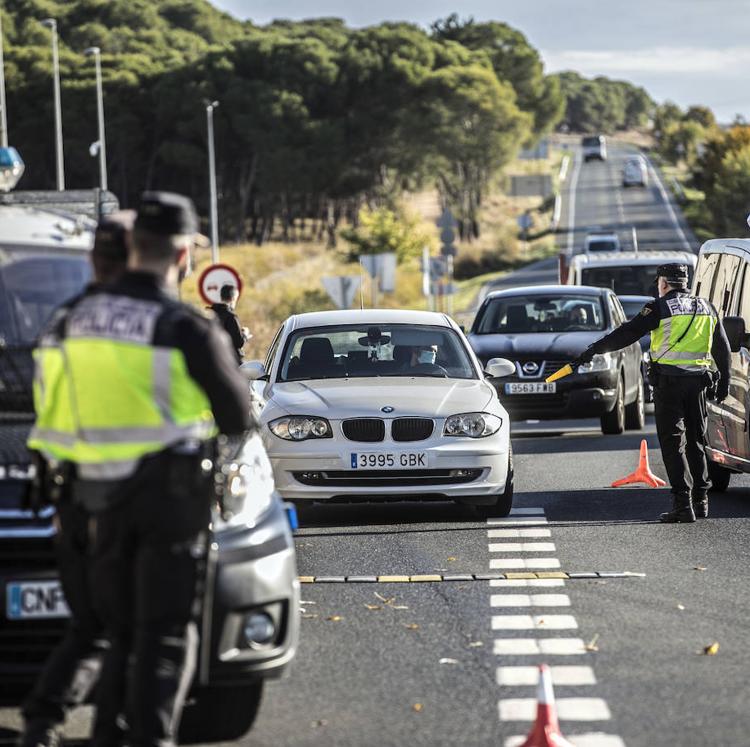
pixel 520 657
pixel 509 577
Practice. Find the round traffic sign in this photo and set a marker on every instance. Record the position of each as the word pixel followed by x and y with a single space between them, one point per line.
pixel 213 278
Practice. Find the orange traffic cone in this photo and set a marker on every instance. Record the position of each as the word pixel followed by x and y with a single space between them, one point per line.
pixel 643 474
pixel 546 730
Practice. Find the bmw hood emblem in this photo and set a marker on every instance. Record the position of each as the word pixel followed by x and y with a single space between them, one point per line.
pixel 387 409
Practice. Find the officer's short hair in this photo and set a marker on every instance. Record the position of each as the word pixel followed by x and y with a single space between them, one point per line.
pixel 227 292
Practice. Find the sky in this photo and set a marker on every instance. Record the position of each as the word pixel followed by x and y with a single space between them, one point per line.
pixel 687 51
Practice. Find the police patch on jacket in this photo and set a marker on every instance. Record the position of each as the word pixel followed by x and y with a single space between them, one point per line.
pixel 645 311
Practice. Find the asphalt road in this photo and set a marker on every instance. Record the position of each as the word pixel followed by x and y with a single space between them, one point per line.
pixel 446 663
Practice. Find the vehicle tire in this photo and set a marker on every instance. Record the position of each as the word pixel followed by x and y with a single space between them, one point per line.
pixel 719 477
pixel 635 412
pixel 220 714
pixel 504 502
pixel 613 422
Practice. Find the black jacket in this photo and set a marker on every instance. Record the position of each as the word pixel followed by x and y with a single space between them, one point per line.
pixel 648 320
pixel 231 324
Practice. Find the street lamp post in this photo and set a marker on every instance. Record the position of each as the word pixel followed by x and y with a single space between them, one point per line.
pixel 95 52
pixel 51 24
pixel 210 106
pixel 3 113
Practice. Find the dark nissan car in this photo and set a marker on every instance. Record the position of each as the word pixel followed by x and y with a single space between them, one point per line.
pixel 250 619
pixel 540 329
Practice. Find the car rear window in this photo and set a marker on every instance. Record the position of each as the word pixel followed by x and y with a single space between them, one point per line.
pixel 601 245
pixel 592 141
pixel 537 313
pixel 636 280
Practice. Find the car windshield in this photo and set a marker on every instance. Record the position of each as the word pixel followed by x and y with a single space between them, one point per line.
pixel 522 314
pixel 601 245
pixel 31 288
pixel 623 280
pixel 357 351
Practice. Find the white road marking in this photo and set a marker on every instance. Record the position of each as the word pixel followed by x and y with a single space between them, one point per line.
pixel 522 547
pixel 591 739
pixel 533 646
pixel 518 533
pixel 532 511
pixel 521 521
pixel 528 563
pixel 568 709
pixel 530 600
pixel 505 582
pixel 563 675
pixel 534 622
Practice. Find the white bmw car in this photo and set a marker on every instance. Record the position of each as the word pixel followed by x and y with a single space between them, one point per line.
pixel 383 405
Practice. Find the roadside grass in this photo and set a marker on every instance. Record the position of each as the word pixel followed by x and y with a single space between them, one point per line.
pixel 692 201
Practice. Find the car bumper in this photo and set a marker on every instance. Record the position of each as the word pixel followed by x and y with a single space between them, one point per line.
pixel 249 569
pixel 586 396
pixel 321 471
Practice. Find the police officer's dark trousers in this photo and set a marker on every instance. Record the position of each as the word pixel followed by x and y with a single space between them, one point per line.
pixel 147 557
pixel 680 411
pixel 71 670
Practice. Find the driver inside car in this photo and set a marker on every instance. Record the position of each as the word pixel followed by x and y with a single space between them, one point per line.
pixel 423 355
pixel 578 317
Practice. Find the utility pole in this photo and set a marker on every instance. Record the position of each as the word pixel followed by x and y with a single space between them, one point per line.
pixel 95 52
pixel 51 24
pixel 210 106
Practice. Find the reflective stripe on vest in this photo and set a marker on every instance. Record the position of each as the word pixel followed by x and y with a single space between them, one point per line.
pixel 692 352
pixel 106 396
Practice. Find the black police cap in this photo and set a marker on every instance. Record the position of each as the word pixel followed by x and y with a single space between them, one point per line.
pixel 167 214
pixel 110 239
pixel 674 273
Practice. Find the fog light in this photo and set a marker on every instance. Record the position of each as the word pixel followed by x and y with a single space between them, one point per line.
pixel 462 472
pixel 259 629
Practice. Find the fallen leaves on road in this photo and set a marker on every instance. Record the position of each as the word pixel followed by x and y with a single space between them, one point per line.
pixel 711 650
pixel 309 615
pixel 390 602
pixel 475 644
pixel 449 661
pixel 334 618
pixel 320 722
pixel 303 601
pixel 373 606
pixel 411 626
pixel 680 606
pixel 591 645
pixel 417 708
pixel 451 559
pixel 699 568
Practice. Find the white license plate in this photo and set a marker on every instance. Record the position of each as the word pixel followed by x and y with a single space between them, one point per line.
pixel 29 600
pixel 530 388
pixel 388 460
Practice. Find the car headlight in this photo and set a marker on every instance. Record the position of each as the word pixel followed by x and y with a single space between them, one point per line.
pixel 246 486
pixel 300 428
pixel 600 362
pixel 472 425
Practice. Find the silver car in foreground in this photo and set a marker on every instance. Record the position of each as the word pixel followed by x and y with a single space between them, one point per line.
pixel 384 405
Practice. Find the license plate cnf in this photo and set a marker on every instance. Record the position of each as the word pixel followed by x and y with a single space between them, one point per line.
pixel 27 600
pixel 389 460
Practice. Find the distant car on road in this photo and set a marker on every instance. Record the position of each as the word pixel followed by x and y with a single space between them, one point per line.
pixel 601 241
pixel 542 328
pixel 594 147
pixel 635 172
pixel 626 273
pixel 384 405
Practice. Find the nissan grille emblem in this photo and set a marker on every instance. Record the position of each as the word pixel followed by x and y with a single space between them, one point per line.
pixel 387 409
pixel 530 367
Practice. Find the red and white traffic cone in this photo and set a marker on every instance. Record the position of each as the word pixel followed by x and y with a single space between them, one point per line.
pixel 546 730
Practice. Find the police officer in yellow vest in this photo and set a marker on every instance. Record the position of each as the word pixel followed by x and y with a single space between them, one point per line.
pixel 689 350
pixel 131 386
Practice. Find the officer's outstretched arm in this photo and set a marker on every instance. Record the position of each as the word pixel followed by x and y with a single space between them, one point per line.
pixel 626 334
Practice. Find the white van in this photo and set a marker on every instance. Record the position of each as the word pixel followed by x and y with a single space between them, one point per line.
pixel 594 146
pixel 626 273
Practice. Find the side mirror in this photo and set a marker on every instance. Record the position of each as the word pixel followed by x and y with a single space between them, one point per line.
pixel 497 368
pixel 253 370
pixel 734 326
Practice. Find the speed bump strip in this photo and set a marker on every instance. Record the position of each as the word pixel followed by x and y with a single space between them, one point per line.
pixel 447 578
